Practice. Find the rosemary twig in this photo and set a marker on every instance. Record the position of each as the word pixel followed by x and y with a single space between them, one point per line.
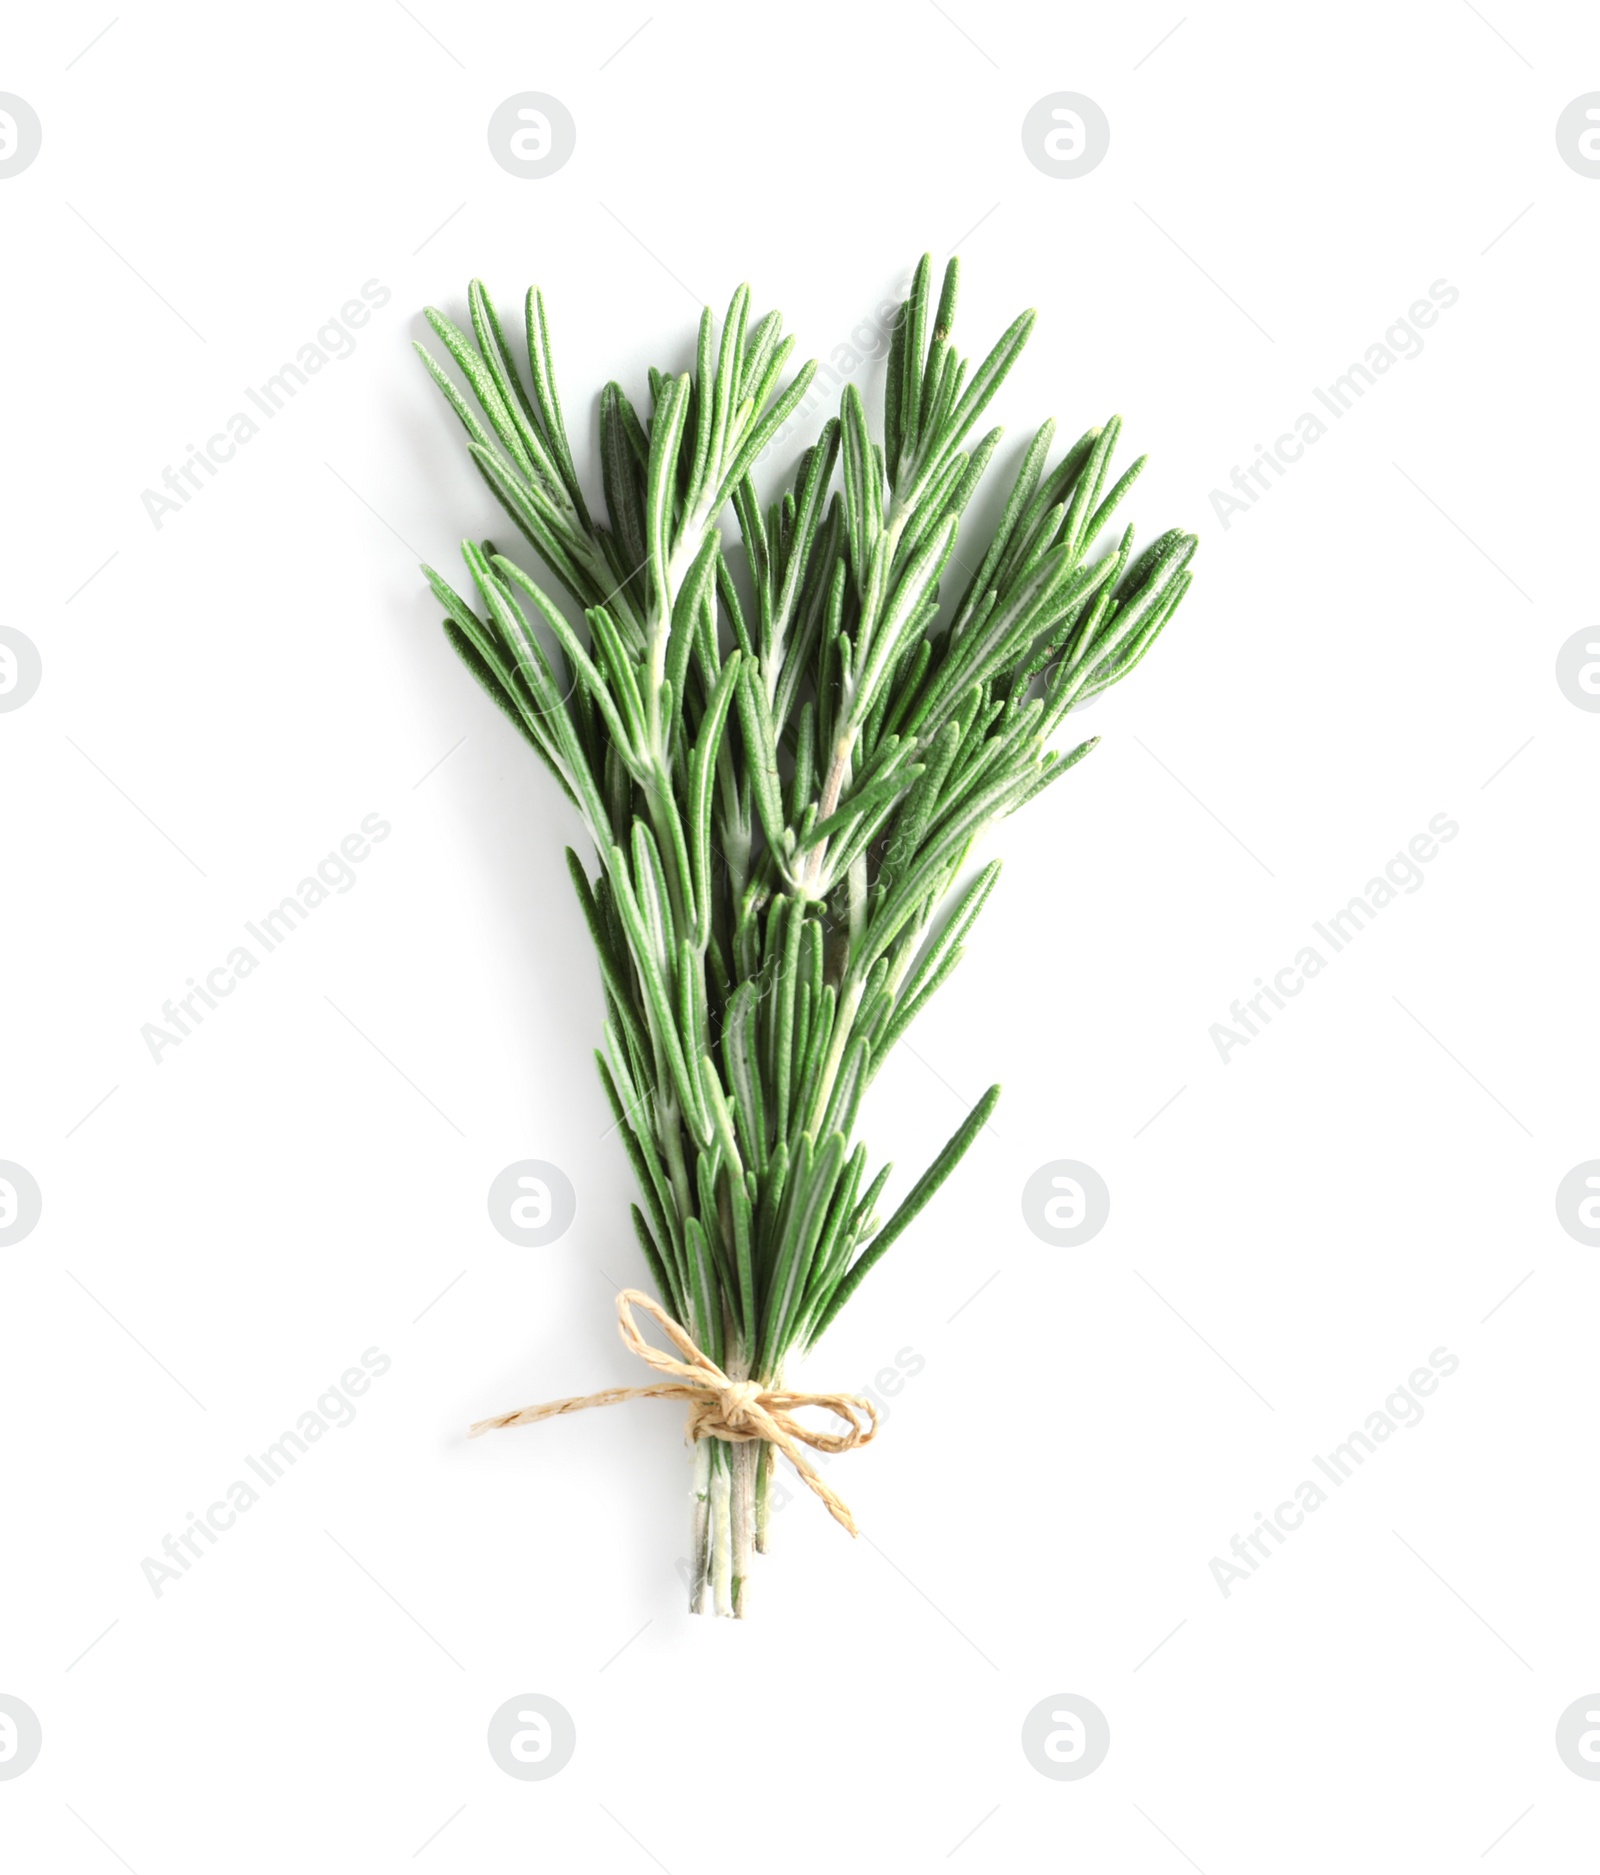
pixel 784 767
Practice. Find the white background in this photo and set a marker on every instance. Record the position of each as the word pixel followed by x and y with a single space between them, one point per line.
pixel 304 1177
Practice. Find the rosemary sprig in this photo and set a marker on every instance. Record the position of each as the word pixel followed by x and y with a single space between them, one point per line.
pixel 783 769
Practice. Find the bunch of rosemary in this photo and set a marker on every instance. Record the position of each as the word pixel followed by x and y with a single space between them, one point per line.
pixel 783 766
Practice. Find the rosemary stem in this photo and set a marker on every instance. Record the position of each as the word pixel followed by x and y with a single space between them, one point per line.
pixel 700 1553
pixel 763 1509
pixel 721 1527
pixel 746 1461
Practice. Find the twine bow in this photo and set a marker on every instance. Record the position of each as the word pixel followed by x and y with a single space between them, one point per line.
pixel 719 1408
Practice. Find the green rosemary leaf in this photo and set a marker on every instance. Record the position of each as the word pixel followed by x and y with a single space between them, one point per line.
pixel 484 388
pixel 508 615
pixel 951 936
pixel 613 970
pixel 811 1054
pixel 701 769
pixel 835 1243
pixel 651 1179
pixel 805 769
pixel 497 681
pixel 1125 618
pixel 733 606
pixel 914 313
pixel 920 577
pixel 741 1058
pixel 805 1212
pixel 942 852
pixel 934 507
pixel 1035 529
pixel 893 395
pixel 761 753
pixel 988 378
pixel 816 471
pixel 976 466
pixel 771 1208
pixel 783 994
pixel 1051 769
pixel 863 489
pixel 474 429
pixel 1022 493
pixel 502 369
pixel 861 1223
pixel 1054 584
pixel 549 400
pixel 661 482
pixel 654 900
pixel 536 519
pixel 923 799
pixel 704 411
pixel 800 1043
pixel 1109 506
pixel 693 596
pixel 622 476
pixel 643 941
pixel 727 373
pixel 762 432
pixel 706 1312
pixel 954 1150
pixel 933 372
pixel 866 797
pixel 1087 489
pixel 692 1027
pixel 849 1085
pixel 652 1256
pixel 765 357
pixel 1076 625
pixel 743 1218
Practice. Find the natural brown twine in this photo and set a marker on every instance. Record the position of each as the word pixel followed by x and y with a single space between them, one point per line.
pixel 719 1408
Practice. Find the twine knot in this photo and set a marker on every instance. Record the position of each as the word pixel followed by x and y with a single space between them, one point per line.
pixel 737 1411
pixel 727 1412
